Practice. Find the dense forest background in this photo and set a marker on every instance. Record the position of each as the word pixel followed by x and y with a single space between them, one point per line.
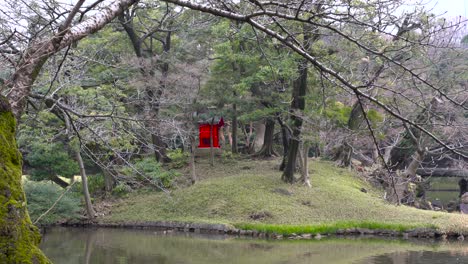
pixel 114 92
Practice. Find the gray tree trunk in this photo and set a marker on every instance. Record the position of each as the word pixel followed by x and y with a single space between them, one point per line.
pixel 234 129
pixel 193 173
pixel 211 143
pixel 84 182
pixel 305 171
pixel 16 231
pixel 259 135
pixel 267 149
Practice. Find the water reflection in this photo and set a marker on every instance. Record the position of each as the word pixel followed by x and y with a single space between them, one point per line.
pixel 122 246
pixel 423 257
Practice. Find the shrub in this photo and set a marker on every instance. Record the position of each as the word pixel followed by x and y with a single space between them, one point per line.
pixel 50 159
pixel 179 159
pixel 96 183
pixel 42 195
pixel 229 157
pixel 151 171
pixel 121 190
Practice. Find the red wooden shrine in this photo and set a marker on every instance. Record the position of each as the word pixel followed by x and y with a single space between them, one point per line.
pixel 204 133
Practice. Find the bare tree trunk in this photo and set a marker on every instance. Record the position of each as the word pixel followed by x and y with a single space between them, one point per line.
pixel 109 181
pixel 288 173
pixel 249 144
pixel 59 181
pixel 211 143
pixel 247 134
pixel 159 148
pixel 84 182
pixel 285 137
pixel 375 153
pixel 305 165
pixel 343 154
pixel 259 135
pixel 229 133
pixel 300 162
pixel 221 137
pixel 267 149
pixel 19 238
pixel 387 153
pixel 418 157
pixel 193 173
pixel 298 104
pixel 234 129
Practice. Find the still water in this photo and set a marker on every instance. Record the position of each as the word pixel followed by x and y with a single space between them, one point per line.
pixel 126 246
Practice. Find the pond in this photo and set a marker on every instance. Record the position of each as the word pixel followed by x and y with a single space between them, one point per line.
pixel 443 189
pixel 122 246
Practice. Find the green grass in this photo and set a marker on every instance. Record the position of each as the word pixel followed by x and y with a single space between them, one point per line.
pixel 233 192
pixel 329 228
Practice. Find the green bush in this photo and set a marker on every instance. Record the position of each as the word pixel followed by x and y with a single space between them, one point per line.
pixel 179 159
pixel 228 157
pixel 42 195
pixel 121 190
pixel 150 171
pixel 96 183
pixel 51 159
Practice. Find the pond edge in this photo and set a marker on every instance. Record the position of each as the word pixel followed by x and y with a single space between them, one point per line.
pixel 207 228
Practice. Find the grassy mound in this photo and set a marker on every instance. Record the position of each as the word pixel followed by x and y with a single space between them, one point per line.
pixel 250 194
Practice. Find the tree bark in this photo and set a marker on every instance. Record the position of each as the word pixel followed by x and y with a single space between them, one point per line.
pixel 259 135
pixel 250 144
pixel 193 173
pixel 234 128
pixel 59 181
pixel 222 139
pixel 229 133
pixel 211 143
pixel 19 238
pixel 412 168
pixel 303 157
pixel 285 137
pixel 267 149
pixel 109 181
pixel 161 155
pixel 84 182
pixel 297 106
pixel 298 103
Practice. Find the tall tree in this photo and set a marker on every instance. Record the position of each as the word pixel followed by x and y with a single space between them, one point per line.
pixel 279 21
pixel 144 40
pixel 18 237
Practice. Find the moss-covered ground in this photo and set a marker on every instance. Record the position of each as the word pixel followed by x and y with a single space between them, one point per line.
pixel 250 194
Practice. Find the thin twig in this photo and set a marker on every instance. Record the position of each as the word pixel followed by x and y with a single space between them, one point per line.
pixel 55 203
